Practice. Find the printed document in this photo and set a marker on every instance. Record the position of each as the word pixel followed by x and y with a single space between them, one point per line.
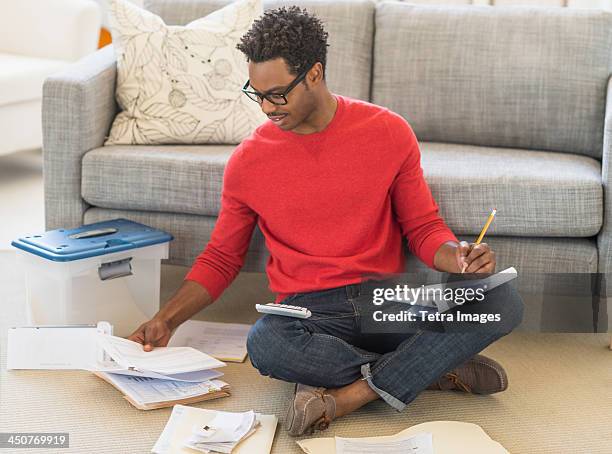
pixel 144 390
pixel 224 341
pixel 193 377
pixel 163 360
pixel 418 444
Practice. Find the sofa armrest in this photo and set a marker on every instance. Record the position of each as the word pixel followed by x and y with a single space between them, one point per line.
pixel 604 239
pixel 55 29
pixel 78 108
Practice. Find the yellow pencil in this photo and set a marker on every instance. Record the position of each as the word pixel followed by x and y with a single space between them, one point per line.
pixel 486 226
pixel 484 230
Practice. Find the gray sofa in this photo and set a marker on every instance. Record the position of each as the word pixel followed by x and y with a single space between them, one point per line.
pixel 510 106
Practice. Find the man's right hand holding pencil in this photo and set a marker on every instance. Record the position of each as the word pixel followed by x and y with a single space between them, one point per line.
pixel 477 257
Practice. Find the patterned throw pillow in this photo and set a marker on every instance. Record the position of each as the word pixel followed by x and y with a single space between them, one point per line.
pixel 182 84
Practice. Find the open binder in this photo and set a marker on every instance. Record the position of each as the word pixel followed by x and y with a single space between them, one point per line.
pixel 162 377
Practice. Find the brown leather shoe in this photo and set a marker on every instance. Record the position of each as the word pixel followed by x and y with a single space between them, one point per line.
pixel 310 409
pixel 478 375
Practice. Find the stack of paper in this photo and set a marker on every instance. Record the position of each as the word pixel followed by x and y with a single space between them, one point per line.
pixel 162 377
pixel 162 360
pixel 147 393
pixel 207 431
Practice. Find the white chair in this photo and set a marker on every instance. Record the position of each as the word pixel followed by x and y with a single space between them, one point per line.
pixel 38 38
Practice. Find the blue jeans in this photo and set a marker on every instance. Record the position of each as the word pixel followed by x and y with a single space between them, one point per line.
pixel 329 349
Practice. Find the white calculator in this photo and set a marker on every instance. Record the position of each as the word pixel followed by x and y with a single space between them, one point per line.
pixel 283 309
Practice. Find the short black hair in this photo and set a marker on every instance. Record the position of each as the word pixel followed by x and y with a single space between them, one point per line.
pixel 290 33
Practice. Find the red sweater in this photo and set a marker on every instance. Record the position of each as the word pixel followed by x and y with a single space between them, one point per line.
pixel 333 205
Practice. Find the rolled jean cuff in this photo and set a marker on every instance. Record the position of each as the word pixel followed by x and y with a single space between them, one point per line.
pixel 393 401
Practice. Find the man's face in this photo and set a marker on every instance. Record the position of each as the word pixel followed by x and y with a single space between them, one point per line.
pixel 273 77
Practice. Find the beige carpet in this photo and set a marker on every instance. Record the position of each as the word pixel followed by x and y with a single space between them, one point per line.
pixel 559 400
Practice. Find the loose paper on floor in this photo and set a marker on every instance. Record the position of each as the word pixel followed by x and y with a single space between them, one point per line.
pixel 418 444
pixel 224 341
pixel 185 420
pixel 448 437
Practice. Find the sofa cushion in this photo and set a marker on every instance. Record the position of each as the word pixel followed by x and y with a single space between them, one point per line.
pixel 536 193
pixel 173 178
pixel 21 78
pixel 530 256
pixel 350 25
pixel 517 77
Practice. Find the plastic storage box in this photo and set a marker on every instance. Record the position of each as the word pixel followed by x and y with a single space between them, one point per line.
pixel 104 271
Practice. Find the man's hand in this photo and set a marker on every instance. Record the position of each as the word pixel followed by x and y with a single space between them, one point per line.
pixel 475 258
pixel 154 333
pixel 188 301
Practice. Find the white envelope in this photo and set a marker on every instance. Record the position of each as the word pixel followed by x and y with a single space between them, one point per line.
pixel 54 347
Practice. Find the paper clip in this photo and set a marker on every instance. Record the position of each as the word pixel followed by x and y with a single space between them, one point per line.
pixel 205 431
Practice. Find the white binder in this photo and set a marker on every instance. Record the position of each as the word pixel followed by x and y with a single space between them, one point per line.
pixel 55 347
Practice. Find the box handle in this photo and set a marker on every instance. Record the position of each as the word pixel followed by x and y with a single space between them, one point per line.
pixel 113 270
pixel 92 233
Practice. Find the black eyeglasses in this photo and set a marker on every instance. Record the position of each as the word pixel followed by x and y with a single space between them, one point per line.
pixel 279 99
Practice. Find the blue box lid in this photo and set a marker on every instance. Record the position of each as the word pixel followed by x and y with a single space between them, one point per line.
pixel 100 238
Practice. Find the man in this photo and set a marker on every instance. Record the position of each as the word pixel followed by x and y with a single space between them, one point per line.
pixel 334 184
